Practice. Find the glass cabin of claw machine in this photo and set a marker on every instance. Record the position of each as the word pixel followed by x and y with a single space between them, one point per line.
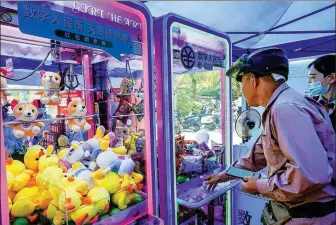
pixel 193 110
pixel 68 159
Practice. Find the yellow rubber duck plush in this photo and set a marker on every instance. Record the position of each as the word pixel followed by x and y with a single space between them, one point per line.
pixel 25 202
pixel 100 140
pixel 70 200
pixel 101 198
pixel 49 180
pixel 20 174
pixel 120 150
pixel 10 204
pixel 61 153
pixel 48 159
pixel 44 179
pixel 111 182
pixel 32 157
pixel 123 197
pixel 69 181
pixel 85 214
pixel 14 166
pixel 59 218
pixel 10 179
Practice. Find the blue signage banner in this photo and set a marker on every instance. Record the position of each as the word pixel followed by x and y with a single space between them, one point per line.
pixel 38 21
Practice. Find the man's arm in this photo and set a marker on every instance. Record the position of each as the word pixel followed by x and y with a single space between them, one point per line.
pixel 255 161
pixel 308 168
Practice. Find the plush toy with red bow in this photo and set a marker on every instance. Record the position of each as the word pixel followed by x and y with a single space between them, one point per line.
pixel 51 82
pixel 3 84
pixel 25 114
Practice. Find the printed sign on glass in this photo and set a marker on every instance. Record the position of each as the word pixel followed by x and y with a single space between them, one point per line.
pixel 43 22
pixel 190 58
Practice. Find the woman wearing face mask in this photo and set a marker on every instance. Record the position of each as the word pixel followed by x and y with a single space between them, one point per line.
pixel 322 83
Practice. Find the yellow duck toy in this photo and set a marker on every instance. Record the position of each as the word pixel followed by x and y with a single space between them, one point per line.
pixel 130 143
pixel 50 174
pixel 10 179
pixel 123 197
pixel 101 198
pixel 44 162
pixel 103 140
pixel 25 202
pixel 69 181
pixel 70 200
pixel 32 157
pixel 10 204
pixel 111 182
pixel 59 218
pixel 85 214
pixel 54 214
pixel 120 150
pixel 61 153
pixel 14 166
pixel 48 159
pixel 49 184
pixel 21 175
pixel 126 194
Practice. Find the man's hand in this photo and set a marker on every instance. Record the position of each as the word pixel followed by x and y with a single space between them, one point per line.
pixel 214 179
pixel 250 185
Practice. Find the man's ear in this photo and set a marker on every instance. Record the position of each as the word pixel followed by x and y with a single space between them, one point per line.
pixel 254 80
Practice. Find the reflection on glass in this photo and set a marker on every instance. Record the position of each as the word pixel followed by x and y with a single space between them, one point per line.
pixel 199 60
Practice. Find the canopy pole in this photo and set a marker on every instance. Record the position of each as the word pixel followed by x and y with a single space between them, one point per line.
pixel 290 51
pixel 289 32
pixel 300 49
pixel 284 24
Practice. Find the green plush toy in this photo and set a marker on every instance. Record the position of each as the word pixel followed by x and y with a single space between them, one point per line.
pixel 21 221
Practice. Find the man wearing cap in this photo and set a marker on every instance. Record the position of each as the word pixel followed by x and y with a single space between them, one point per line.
pixel 297 145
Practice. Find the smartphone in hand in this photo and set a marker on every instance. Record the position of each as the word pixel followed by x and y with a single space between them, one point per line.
pixel 241 173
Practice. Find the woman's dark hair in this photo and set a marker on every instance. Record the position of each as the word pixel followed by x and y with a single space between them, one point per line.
pixel 325 64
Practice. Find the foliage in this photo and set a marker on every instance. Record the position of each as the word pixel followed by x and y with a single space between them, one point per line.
pixel 191 88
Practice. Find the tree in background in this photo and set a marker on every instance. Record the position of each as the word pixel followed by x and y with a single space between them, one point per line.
pixel 192 87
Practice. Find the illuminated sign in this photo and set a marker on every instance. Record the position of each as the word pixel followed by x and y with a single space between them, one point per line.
pixel 43 22
pixel 79 7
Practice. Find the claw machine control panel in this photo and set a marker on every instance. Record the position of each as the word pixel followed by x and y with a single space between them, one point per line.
pixel 77 119
pixel 194 118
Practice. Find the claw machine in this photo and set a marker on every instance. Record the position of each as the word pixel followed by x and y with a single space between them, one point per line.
pixel 77 114
pixel 194 119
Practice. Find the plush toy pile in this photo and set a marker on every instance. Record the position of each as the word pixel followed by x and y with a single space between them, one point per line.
pixel 83 183
pixel 193 158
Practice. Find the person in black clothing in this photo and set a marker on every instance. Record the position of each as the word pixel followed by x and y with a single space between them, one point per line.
pixel 322 83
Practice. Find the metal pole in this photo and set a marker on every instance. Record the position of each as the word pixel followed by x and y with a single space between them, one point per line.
pixel 52 119
pixel 139 114
pixel 46 89
pixel 89 96
pixel 4 212
pixel 288 32
pixel 284 24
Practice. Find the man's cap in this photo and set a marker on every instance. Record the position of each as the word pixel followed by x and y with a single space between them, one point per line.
pixel 261 62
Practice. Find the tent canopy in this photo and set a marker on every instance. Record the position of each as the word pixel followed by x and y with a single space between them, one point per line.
pixel 252 25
